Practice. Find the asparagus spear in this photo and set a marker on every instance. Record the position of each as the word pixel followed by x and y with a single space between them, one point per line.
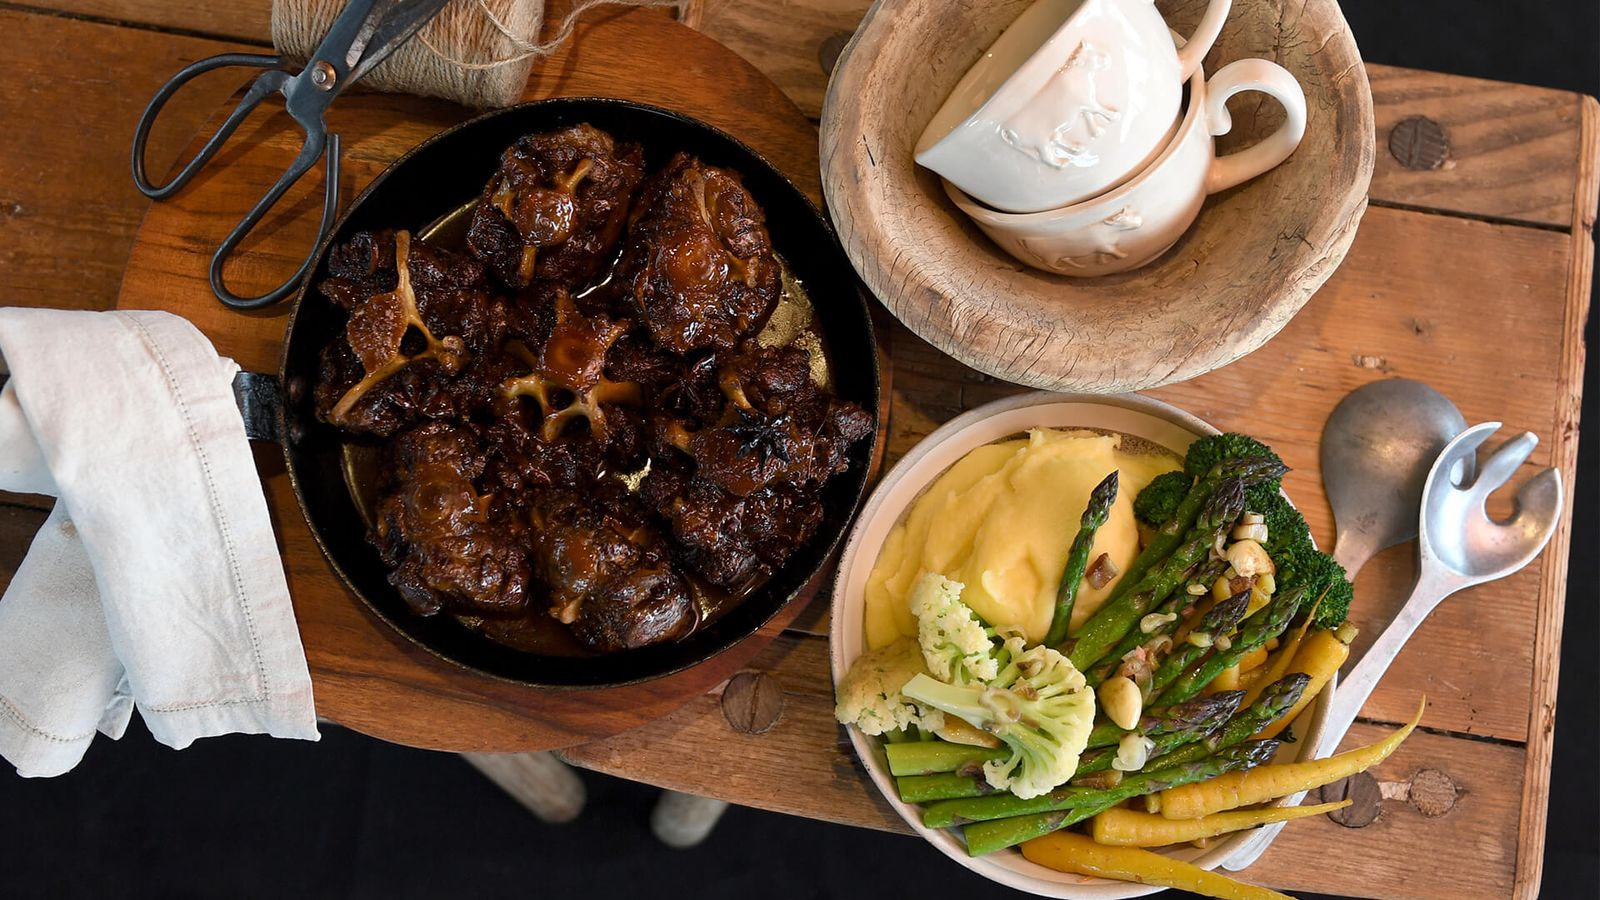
pixel 1267 623
pixel 946 786
pixel 1218 621
pixel 1134 784
pixel 1199 720
pixel 1157 721
pixel 1216 715
pixel 1113 620
pixel 1094 515
pixel 1275 700
pixel 1035 819
pixel 1205 575
pixel 1253 470
pixel 934 757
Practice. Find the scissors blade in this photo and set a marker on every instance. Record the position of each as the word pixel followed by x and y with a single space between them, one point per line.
pixel 364 34
pixel 389 24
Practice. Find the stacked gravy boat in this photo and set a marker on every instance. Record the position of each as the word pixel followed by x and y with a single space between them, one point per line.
pixel 1071 142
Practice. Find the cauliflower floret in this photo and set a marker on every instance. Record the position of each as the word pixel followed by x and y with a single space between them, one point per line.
pixel 1037 703
pixel 870 698
pixel 955 643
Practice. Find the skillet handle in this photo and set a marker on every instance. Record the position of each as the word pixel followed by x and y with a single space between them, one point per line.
pixel 259 397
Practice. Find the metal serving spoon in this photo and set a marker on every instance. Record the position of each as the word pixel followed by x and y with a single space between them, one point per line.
pixel 1458 547
pixel 1377 448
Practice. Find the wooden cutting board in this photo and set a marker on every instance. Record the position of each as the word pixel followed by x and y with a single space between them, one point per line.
pixel 364 677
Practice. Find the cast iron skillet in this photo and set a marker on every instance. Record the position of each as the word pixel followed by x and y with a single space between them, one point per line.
pixel 435 178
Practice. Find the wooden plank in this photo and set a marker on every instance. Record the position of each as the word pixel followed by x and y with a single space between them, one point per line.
pixel 1423 308
pixel 68 207
pixel 1416 298
pixel 18 525
pixel 807 748
pixel 803 766
pixel 1569 405
pixel 245 21
pixel 1513 148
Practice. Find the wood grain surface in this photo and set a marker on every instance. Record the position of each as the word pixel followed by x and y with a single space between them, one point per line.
pixel 1513 148
pixel 1552 588
pixel 1487 257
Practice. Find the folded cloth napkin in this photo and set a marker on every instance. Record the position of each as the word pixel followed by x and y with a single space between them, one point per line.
pixel 156 580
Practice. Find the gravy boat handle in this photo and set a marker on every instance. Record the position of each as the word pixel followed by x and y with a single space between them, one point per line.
pixel 1273 80
pixel 1194 50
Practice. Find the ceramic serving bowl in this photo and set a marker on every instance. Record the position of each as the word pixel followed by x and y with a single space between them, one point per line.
pixel 1132 225
pixel 1138 416
pixel 1075 97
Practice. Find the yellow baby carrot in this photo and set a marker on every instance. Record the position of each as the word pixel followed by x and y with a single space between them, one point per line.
pixel 1320 656
pixel 1282 657
pixel 1247 788
pixel 1066 851
pixel 1130 828
pixel 1253 659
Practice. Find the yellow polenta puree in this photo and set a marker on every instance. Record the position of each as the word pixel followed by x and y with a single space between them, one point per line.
pixel 1001 521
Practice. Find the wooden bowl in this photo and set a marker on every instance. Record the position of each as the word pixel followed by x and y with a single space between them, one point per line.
pixel 1255 256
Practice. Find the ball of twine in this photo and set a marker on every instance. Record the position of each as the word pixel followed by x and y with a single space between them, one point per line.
pixel 474 52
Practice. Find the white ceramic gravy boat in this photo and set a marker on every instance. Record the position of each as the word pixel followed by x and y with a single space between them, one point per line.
pixel 1140 220
pixel 1075 97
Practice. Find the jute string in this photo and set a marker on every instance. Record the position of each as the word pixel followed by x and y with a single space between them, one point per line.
pixel 475 52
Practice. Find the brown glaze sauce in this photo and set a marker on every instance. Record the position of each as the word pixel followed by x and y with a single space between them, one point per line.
pixel 793 322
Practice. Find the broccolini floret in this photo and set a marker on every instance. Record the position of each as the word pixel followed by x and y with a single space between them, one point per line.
pixel 1037 703
pixel 870 697
pixel 1288 539
pixel 1206 452
pixel 1323 577
pixel 1287 533
pixel 1160 498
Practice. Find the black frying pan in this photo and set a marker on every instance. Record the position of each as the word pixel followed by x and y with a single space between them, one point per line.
pixel 436 178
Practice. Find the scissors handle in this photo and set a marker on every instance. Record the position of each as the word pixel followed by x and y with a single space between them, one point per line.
pixel 317 141
pixel 264 85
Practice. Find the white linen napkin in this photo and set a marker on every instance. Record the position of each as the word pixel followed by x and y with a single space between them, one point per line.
pixel 156 580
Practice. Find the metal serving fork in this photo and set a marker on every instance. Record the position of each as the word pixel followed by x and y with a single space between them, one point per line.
pixel 1458 546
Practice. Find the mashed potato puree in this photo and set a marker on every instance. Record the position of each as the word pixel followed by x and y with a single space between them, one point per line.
pixel 1001 521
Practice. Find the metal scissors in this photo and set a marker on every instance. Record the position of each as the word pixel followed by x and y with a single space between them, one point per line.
pixel 363 35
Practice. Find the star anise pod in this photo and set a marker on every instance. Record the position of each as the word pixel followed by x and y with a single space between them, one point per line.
pixel 759 434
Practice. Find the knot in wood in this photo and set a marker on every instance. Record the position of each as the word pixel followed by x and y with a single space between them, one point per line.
pixel 1419 143
pixel 1433 793
pixel 1365 799
pixel 752 702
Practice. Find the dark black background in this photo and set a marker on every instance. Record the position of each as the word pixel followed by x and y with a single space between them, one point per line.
pixel 243 817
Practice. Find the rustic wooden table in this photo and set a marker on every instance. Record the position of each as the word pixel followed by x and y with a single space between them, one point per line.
pixel 1472 274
